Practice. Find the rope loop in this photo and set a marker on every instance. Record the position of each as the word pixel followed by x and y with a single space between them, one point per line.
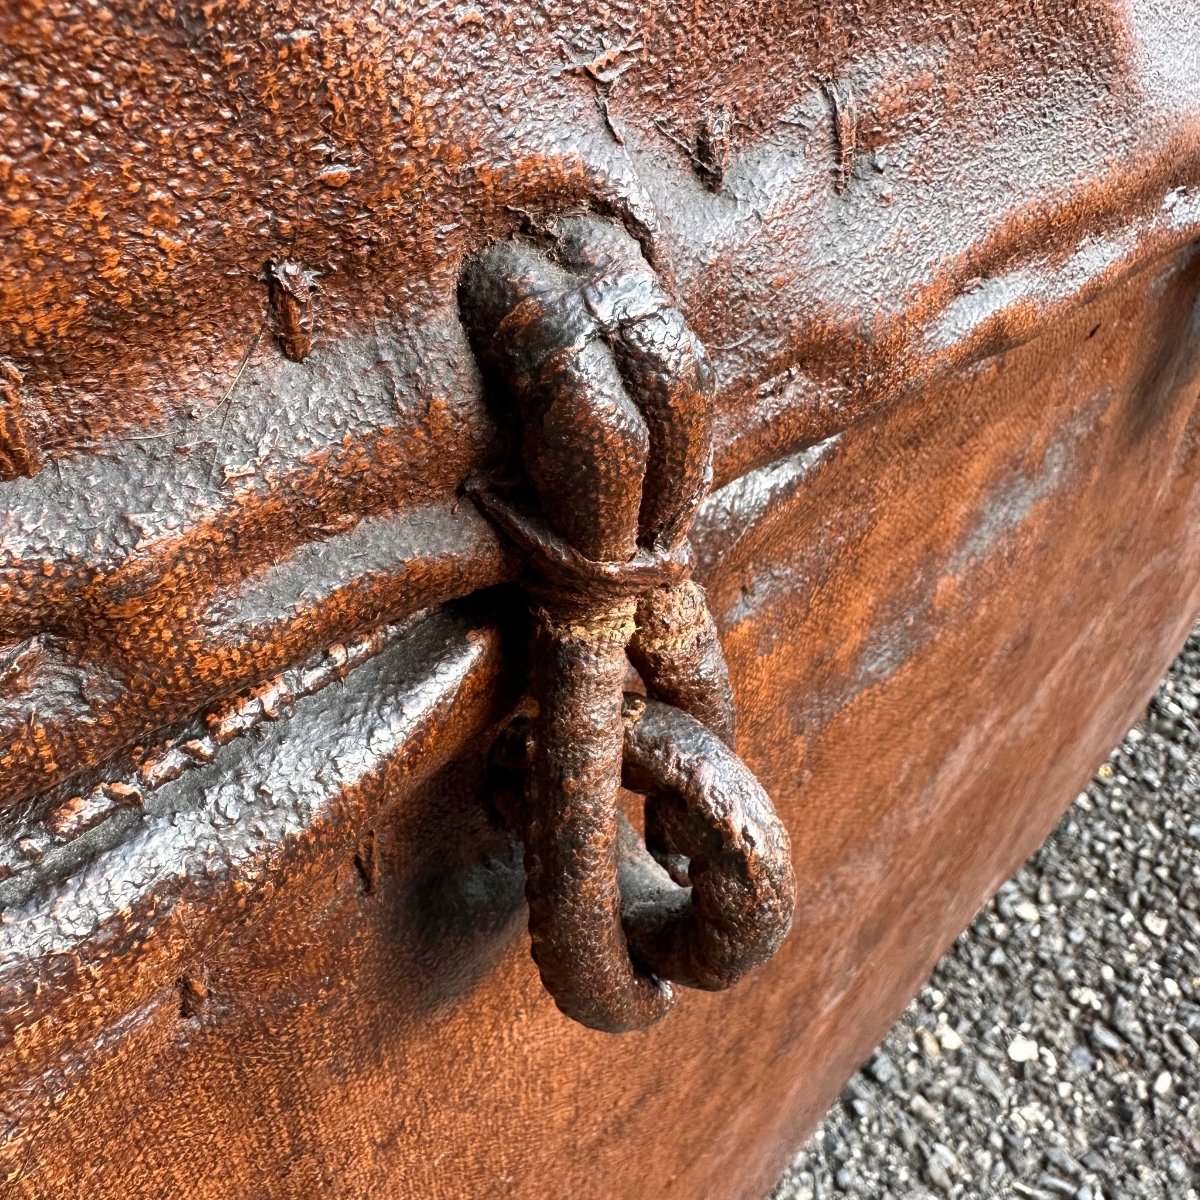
pixel 607 393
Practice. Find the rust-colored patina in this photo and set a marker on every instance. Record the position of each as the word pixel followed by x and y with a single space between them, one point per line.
pixel 262 619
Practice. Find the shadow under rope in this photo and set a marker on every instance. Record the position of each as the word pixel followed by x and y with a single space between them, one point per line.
pixel 450 880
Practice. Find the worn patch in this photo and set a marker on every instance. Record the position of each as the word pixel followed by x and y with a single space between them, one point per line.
pixel 19 453
pixel 293 288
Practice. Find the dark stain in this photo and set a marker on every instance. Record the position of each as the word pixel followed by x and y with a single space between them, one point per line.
pixel 465 901
pixel 364 862
pixel 193 996
pixel 713 147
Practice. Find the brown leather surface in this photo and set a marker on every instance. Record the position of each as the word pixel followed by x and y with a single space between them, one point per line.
pixel 189 510
pixel 943 263
pixel 894 610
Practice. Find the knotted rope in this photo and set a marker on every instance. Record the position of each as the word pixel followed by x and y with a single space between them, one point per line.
pixel 609 391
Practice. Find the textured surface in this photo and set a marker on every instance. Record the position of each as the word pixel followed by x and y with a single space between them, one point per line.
pixel 907 189
pixel 261 934
pixel 372 1000
pixel 1054 1052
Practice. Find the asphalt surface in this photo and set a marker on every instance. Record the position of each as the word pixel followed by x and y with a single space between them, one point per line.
pixel 1056 1050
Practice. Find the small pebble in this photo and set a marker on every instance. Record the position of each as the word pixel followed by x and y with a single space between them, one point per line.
pixel 939 1176
pixel 1106 1039
pixel 1155 924
pixel 1022 1050
pixel 949 1039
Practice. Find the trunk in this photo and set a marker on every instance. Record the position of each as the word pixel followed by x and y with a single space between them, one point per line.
pixel 262 929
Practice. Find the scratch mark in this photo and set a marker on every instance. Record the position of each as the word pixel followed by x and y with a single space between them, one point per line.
pixel 845 130
pixel 364 862
pixel 227 399
pixel 713 146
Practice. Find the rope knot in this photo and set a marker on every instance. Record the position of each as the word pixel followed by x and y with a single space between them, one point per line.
pixel 607 392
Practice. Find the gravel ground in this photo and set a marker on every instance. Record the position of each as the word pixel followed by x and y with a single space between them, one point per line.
pixel 1054 1053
